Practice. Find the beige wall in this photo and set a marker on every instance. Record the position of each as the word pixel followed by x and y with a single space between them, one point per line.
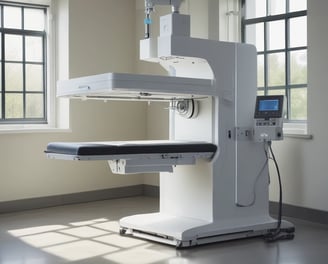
pixel 97 43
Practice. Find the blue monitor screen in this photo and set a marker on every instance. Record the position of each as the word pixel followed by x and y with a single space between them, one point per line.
pixel 269 105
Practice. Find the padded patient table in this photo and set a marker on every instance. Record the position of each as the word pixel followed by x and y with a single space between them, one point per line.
pixel 135 156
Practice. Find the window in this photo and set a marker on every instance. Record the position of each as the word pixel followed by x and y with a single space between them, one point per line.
pixel 278 29
pixel 23 63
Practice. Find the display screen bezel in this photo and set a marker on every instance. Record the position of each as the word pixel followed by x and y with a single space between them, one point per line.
pixel 267 113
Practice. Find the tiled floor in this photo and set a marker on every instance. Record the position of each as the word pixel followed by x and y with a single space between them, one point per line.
pixel 87 233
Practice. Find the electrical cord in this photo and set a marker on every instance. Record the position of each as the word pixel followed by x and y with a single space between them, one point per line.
pixel 256 180
pixel 277 234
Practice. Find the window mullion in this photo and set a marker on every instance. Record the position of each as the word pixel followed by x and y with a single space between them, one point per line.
pixel 2 68
pixel 24 77
pixel 265 54
pixel 24 65
pixel 287 66
pixel 45 80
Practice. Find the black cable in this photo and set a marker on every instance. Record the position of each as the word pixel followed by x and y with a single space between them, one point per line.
pixel 277 233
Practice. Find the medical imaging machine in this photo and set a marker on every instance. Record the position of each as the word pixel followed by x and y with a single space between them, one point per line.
pixel 214 168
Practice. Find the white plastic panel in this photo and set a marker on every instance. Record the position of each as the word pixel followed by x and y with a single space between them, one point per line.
pixel 133 86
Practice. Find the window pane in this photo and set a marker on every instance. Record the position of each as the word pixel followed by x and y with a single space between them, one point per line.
pixel 276 69
pixel 0 106
pixel 255 35
pixel 297 5
pixel 14 106
pixel 33 49
pixel 14 77
pixel 255 8
pixel 260 92
pixel 12 17
pixel 276 35
pixel 34 19
pixel 260 71
pixel 277 7
pixel 298 102
pixel 298 67
pixel 34 77
pixel 13 47
pixel 276 92
pixel 298 32
pixel 34 105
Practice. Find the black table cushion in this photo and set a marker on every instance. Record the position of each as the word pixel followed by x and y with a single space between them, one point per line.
pixel 128 147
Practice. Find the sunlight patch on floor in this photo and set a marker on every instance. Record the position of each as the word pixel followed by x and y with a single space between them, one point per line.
pixel 139 255
pixel 80 250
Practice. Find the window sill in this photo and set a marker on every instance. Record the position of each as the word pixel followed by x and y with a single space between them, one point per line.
pixel 31 129
pixel 296 130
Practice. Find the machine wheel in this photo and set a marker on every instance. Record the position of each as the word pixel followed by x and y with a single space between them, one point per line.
pixel 122 231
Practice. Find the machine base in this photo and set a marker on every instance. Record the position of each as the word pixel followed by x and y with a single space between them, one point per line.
pixel 174 231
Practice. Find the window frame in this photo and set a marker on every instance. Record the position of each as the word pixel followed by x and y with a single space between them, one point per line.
pixel 24 33
pixel 288 87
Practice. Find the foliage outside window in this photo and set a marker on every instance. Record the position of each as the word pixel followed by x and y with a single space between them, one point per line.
pixel 23 79
pixel 278 29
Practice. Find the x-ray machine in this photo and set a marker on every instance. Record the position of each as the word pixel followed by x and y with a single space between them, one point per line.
pixel 214 168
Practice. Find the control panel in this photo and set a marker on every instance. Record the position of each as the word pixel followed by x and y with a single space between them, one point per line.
pixel 268 118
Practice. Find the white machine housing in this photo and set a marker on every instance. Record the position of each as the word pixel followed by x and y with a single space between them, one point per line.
pixel 213 200
pixel 225 198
